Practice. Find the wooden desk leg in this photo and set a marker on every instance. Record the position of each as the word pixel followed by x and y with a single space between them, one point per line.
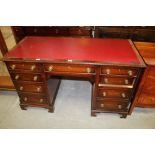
pixel 50 109
pixel 123 116
pixel 23 107
pixel 93 114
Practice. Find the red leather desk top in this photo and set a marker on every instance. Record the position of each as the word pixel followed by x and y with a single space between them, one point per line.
pixel 82 49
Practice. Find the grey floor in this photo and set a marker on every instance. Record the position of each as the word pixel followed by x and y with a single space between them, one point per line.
pixel 72 110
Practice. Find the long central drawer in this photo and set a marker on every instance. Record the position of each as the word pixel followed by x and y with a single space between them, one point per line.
pixel 69 68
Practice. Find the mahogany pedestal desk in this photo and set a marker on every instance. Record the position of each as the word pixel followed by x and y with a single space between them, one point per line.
pixel 113 66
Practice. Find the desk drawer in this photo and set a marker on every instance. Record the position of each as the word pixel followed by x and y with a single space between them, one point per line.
pixel 27 77
pixel 33 99
pixel 114 93
pixel 119 71
pixel 116 82
pixel 69 68
pixel 30 87
pixel 33 67
pixel 110 105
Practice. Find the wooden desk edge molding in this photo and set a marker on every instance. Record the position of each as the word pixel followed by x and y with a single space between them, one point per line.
pixel 36 63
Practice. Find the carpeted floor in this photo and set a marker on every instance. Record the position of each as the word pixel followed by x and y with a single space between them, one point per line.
pixel 72 110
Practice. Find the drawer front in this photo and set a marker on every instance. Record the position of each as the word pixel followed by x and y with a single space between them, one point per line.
pixel 34 88
pixel 116 80
pixel 33 99
pixel 13 66
pixel 109 105
pixel 114 93
pixel 119 71
pixel 27 77
pixel 69 68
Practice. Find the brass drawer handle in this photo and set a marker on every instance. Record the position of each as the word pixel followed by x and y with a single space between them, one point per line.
pixel 38 89
pixel 25 99
pixel 119 106
pixel 105 80
pixel 108 71
pixel 35 78
pixel 126 81
pixel 88 70
pixel 130 73
pixel 17 77
pixel 123 95
pixel 21 88
pixel 33 67
pixel 50 68
pixel 104 93
pixel 41 100
pixel 13 67
pixel 102 105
